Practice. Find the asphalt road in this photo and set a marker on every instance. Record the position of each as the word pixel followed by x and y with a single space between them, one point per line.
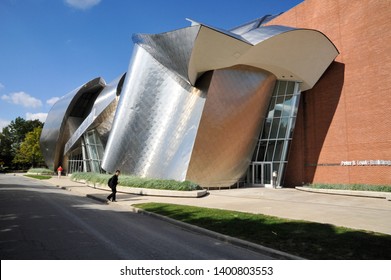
pixel 41 222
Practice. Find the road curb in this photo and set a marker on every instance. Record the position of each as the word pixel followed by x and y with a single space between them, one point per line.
pixel 273 253
pixel 370 194
pixel 222 237
pixel 100 199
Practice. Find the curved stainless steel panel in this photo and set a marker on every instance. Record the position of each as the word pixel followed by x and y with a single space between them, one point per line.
pixel 156 122
pixel 235 109
pixel 60 124
pixel 101 115
pixel 172 49
pixel 244 28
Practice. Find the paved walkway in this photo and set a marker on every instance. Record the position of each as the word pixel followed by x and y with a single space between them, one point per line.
pixel 373 214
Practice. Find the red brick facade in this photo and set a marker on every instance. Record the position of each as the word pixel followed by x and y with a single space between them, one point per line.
pixel 346 117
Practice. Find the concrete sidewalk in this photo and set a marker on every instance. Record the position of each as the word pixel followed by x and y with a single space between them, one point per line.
pixel 367 213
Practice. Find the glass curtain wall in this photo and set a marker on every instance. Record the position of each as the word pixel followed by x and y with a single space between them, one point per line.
pixel 75 162
pixel 273 144
pixel 88 156
pixel 92 151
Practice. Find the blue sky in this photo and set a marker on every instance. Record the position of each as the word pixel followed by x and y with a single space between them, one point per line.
pixel 50 47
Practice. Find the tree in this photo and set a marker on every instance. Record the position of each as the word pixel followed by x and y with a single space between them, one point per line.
pixel 29 152
pixel 11 138
pixel 5 148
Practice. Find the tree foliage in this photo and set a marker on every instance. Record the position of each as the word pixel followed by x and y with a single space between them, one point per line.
pixel 11 139
pixel 29 152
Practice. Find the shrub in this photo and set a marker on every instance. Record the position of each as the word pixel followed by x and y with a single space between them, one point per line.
pixel 354 187
pixel 137 182
pixel 40 177
pixel 40 171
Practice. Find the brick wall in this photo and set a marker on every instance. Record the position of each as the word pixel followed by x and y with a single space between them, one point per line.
pixel 347 115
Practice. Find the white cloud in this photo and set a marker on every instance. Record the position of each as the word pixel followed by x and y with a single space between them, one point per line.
pixel 4 123
pixel 22 98
pixel 1 86
pixel 82 4
pixel 52 100
pixel 37 116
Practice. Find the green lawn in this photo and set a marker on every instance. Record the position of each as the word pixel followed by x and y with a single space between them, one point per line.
pixel 301 238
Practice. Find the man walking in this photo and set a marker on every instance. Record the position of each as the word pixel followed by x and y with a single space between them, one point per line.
pixel 113 181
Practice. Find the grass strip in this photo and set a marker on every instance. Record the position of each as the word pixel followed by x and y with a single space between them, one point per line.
pixel 301 238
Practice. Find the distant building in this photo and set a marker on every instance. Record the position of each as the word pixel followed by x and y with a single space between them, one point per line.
pixel 221 107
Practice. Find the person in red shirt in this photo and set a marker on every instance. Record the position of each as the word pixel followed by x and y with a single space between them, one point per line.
pixel 59 171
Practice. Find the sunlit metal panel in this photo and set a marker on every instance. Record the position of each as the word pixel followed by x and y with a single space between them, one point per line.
pixel 172 49
pixel 101 115
pixel 156 121
pixel 235 109
pixel 60 124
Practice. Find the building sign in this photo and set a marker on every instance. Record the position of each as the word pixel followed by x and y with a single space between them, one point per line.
pixel 366 163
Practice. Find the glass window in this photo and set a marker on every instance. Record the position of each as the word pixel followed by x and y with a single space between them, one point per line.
pixel 279 107
pixel 94 151
pixel 281 88
pixel 279 149
pixel 276 167
pixel 266 129
pixel 281 172
pixel 283 127
pixel 295 105
pixel 290 88
pixel 271 107
pixel 274 130
pixel 270 150
pixel 262 150
pixel 267 174
pixel 287 111
pixel 273 145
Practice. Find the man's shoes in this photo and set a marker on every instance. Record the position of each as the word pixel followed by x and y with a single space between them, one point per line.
pixel 114 200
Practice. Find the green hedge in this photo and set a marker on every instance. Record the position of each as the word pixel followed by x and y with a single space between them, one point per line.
pixel 137 182
pixel 39 177
pixel 354 187
pixel 40 171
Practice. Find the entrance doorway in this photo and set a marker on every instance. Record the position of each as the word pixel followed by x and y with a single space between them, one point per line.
pixel 271 152
pixel 261 174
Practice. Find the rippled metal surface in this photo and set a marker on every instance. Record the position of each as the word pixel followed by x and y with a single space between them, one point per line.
pixel 172 49
pixel 234 112
pixel 156 122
